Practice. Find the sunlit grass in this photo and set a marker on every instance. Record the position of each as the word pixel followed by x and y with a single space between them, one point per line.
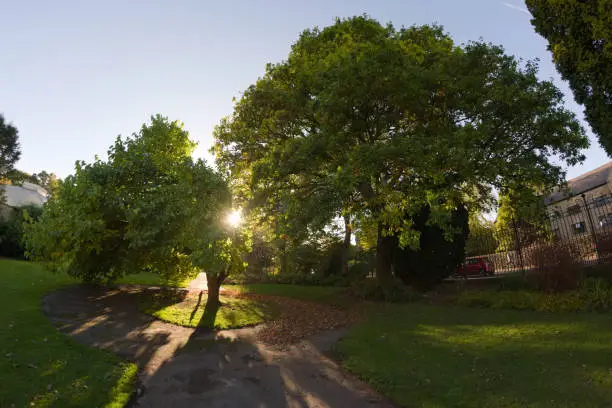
pixel 41 367
pixel 428 356
pixel 184 309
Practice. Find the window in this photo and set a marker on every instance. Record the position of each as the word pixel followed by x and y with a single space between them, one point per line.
pixel 605 220
pixel 579 227
pixel 602 200
pixel 574 209
pixel 555 214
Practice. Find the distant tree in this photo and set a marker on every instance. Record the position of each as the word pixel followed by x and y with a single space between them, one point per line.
pixel 9 151
pixel 387 122
pixel 521 218
pixel 579 35
pixel 48 181
pixel 481 240
pixel 149 207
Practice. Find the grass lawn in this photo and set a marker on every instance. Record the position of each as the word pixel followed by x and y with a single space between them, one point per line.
pixel 436 356
pixel 302 292
pixel 187 309
pixel 39 366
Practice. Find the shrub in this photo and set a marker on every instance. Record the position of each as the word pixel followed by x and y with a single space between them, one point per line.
pixel 555 267
pixel 593 295
pixel 437 257
pixel 11 231
pixel 335 280
pixel 602 271
pixel 370 289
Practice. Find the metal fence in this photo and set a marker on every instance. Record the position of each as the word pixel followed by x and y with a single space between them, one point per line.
pixel 583 226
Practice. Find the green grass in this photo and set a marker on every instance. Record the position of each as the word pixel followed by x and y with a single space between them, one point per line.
pixel 302 292
pixel 435 356
pixel 41 367
pixel 188 310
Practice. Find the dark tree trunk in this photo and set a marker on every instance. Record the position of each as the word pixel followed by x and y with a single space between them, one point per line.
pixel 214 284
pixel 384 257
pixel 346 245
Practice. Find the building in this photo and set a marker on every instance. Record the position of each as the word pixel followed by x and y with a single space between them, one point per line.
pixel 584 206
pixel 16 196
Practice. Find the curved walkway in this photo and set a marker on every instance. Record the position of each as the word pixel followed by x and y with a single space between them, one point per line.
pixel 185 367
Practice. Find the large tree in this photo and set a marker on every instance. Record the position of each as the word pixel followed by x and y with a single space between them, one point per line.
pixel 579 35
pixel 384 122
pixel 150 206
pixel 9 151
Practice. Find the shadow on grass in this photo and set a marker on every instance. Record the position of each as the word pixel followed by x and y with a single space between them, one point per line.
pixel 443 356
pixel 190 310
pixel 195 308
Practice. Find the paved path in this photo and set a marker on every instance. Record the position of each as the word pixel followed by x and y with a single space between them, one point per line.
pixel 184 367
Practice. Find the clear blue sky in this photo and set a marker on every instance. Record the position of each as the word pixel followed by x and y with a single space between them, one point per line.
pixel 75 74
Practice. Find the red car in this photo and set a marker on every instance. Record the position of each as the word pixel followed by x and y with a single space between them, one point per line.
pixel 478 266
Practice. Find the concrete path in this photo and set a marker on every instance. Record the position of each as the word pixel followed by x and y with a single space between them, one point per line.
pixel 184 367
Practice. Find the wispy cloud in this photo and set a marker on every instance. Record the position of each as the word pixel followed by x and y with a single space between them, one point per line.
pixel 519 8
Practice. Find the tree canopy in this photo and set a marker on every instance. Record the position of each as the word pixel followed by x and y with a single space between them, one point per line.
pixel 150 206
pixel 365 119
pixel 579 35
pixel 9 150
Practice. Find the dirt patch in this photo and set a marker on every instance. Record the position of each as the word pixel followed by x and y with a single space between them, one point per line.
pixel 300 319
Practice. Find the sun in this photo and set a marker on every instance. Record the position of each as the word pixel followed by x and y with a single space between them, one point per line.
pixel 234 218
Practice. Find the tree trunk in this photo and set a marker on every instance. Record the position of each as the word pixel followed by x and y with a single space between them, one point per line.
pixel 384 257
pixel 214 284
pixel 283 265
pixel 346 245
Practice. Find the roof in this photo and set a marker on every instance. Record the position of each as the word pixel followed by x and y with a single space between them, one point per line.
pixel 582 183
pixel 26 194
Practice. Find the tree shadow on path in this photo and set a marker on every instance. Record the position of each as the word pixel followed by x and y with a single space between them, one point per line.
pixel 185 367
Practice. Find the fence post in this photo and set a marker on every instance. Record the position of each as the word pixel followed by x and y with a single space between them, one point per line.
pixel 519 250
pixel 593 234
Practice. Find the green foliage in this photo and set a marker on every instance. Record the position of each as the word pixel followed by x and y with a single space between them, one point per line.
pixel 579 35
pixel 433 356
pixel 376 122
pixel 41 367
pixel 437 256
pixel 149 207
pixel 11 230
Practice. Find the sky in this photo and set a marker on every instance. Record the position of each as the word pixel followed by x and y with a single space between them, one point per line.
pixel 76 74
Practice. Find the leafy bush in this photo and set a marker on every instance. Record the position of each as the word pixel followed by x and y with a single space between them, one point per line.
pixel 370 289
pixel 335 280
pixel 11 230
pixel 437 257
pixel 555 267
pixel 592 295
